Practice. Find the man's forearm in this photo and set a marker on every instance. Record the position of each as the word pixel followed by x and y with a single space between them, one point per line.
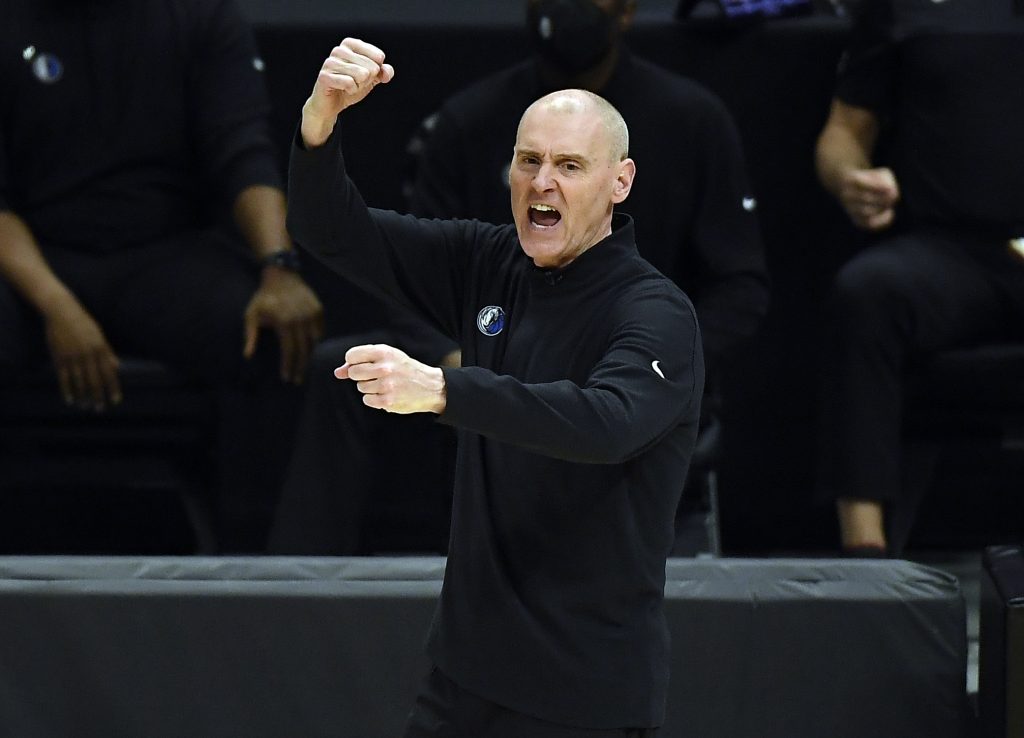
pixel 259 211
pixel 846 143
pixel 23 266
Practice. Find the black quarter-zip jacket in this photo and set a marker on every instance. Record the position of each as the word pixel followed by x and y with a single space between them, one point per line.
pixel 576 421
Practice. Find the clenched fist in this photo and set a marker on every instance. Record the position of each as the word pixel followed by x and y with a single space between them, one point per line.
pixel 348 75
pixel 869 197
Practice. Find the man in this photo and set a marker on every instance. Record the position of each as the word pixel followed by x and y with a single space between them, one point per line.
pixel 942 83
pixel 126 130
pixel 576 407
pixel 695 220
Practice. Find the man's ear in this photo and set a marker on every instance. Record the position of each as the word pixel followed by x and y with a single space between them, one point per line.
pixel 624 180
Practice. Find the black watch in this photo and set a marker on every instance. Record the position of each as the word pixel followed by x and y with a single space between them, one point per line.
pixel 285 258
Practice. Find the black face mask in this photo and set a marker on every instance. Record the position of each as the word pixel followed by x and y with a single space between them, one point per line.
pixel 573 35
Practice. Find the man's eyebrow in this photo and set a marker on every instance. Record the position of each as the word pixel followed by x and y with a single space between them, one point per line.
pixel 562 156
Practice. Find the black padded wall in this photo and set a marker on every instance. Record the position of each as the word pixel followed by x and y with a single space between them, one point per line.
pixel 269 647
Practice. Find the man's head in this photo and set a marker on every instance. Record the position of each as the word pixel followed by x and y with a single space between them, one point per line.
pixel 575 37
pixel 569 168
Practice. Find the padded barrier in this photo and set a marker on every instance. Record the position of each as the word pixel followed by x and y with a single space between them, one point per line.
pixel 282 647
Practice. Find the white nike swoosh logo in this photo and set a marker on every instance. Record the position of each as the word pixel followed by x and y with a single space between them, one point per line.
pixel 656 368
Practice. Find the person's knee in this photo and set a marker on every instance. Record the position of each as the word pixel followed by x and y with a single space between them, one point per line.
pixel 869 288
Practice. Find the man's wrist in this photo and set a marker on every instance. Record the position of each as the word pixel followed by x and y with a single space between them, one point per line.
pixel 442 400
pixel 54 300
pixel 285 259
pixel 315 129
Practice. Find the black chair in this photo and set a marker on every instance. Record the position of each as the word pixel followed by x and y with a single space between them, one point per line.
pixel 156 443
pixel 965 395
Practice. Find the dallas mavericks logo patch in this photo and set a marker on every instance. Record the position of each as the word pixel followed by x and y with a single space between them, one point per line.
pixel 490 320
pixel 47 68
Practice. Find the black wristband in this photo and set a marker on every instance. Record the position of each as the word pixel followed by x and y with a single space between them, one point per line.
pixel 285 258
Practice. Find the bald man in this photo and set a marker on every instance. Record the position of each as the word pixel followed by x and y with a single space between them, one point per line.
pixel 576 408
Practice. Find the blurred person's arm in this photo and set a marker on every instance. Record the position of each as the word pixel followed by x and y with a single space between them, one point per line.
pixel 866 96
pixel 230 121
pixel 843 158
pixel 85 363
pixel 283 302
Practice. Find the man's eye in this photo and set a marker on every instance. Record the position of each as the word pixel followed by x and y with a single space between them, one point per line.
pixel 571 166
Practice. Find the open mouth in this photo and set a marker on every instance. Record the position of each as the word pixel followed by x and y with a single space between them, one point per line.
pixel 544 216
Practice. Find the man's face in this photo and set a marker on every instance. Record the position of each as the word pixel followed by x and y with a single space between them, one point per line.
pixel 564 180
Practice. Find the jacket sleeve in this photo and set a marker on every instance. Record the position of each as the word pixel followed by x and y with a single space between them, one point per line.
pixel 865 77
pixel 414 263
pixel 647 383
pixel 228 102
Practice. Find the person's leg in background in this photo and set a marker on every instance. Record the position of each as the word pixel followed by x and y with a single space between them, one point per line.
pixel 22 349
pixel 889 304
pixel 351 465
pixel 329 477
pixel 182 302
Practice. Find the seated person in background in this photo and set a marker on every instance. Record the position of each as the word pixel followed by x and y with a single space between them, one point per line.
pixel 943 82
pixel 128 130
pixel 693 207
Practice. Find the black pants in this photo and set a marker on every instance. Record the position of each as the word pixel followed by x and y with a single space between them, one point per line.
pixel 351 463
pixel 891 304
pixel 445 710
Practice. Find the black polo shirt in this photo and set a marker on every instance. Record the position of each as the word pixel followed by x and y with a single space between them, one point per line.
pixel 126 121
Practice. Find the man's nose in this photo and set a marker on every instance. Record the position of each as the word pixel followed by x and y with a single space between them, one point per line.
pixel 543 180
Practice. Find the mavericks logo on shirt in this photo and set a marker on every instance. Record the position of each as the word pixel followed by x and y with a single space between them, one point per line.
pixel 490 320
pixel 47 68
